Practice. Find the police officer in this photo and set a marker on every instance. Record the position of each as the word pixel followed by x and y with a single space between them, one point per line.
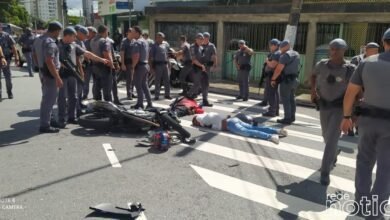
pixel 288 70
pixel 103 76
pixel 187 63
pixel 3 62
pixel 140 68
pixel 7 43
pixel 370 49
pixel 81 37
pixel 159 65
pixel 242 60
pixel 196 50
pixel 27 41
pixel 374 127
pixel 329 81
pixel 88 67
pixel 272 91
pixel 70 52
pixel 210 61
pixel 49 65
pixel 126 63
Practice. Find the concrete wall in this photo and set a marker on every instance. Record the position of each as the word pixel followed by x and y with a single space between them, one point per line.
pixel 312 19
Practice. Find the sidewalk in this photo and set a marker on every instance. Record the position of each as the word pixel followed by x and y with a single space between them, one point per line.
pixel 231 88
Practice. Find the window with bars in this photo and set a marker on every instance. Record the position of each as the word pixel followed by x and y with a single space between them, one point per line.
pixel 257 35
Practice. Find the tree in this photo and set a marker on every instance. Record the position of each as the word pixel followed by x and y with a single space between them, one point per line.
pixel 74 20
pixel 14 13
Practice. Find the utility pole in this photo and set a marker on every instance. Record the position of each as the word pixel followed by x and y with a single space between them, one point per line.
pixel 293 21
pixel 130 2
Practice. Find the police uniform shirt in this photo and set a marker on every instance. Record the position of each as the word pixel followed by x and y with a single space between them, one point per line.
pixel 373 75
pixel 38 49
pixel 275 56
pixel 357 59
pixel 209 51
pixel 186 52
pixel 71 51
pixel 6 43
pixel 50 49
pixel 141 47
pixel 196 52
pixel 159 52
pixel 27 41
pixel 100 45
pixel 332 91
pixel 126 48
pixel 242 57
pixel 291 60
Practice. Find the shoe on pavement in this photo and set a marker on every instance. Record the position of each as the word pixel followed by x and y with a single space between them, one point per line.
pixel 10 95
pixel 73 121
pixel 245 99
pixel 129 97
pixel 156 98
pixel 48 130
pixel 283 133
pixel 284 121
pixel 325 179
pixel 207 104
pixel 149 106
pixel 239 97
pixel 117 102
pixel 168 97
pixel 137 107
pixel 269 114
pixel 274 139
pixel 134 96
pixel 55 124
pixel 263 103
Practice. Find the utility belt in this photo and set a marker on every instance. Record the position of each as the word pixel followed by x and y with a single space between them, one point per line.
pixel 268 73
pixel 246 67
pixel 337 103
pixel 289 77
pixel 372 112
pixel 45 72
pixel 209 64
pixel 142 63
pixel 155 63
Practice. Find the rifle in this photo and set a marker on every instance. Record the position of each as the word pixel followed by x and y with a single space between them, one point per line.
pixel 72 69
pixel 263 75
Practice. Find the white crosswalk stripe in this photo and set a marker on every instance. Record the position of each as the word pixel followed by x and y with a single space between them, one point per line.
pixel 306 137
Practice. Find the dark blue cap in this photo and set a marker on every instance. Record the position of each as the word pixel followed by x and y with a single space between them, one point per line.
pixel 274 42
pixel 241 42
pixel 77 27
pixel 161 34
pixel 386 35
pixel 206 34
pixel 199 35
pixel 338 43
pixel 83 30
pixel 372 45
pixel 54 26
pixel 284 43
pixel 92 29
pixel 69 31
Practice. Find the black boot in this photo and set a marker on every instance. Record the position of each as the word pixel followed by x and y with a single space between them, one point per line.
pixel 325 179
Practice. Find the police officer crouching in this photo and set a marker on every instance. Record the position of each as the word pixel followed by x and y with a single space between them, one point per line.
pixel 159 61
pixel 51 79
pixel 140 68
pixel 286 73
pixel 329 80
pixel 374 130
pixel 71 76
pixel 210 61
pixel 242 60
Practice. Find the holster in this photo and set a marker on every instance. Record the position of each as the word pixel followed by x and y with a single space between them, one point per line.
pixel 373 112
pixel 337 103
pixel 246 67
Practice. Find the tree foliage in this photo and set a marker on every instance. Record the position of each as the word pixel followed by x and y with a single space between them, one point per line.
pixel 14 13
pixel 74 20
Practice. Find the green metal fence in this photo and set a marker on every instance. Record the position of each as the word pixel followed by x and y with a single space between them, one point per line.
pixel 230 72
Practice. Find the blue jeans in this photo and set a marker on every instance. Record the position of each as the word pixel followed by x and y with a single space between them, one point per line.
pixel 236 126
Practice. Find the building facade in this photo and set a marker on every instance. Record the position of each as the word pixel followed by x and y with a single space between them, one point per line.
pixel 257 21
pixel 45 10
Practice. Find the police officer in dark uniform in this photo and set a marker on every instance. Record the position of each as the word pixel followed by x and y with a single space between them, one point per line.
pixel 103 75
pixel 126 63
pixel 68 96
pixel 7 43
pixel 271 92
pixel 329 82
pixel 88 67
pixel 370 49
pixel 210 61
pixel 27 41
pixel 196 50
pixel 140 68
pixel 242 60
pixel 288 70
pixel 159 65
pixel 187 63
pixel 374 129
pixel 51 80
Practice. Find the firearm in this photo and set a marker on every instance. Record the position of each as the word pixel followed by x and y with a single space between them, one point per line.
pixel 263 75
pixel 72 69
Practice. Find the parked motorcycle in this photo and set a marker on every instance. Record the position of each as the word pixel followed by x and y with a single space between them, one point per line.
pixel 105 116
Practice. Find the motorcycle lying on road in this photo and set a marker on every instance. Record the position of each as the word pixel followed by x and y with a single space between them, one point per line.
pixel 101 115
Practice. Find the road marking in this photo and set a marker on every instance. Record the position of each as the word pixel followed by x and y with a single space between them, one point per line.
pixel 111 156
pixel 275 165
pixel 268 197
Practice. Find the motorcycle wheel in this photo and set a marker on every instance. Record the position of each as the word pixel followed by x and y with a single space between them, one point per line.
pixel 175 126
pixel 95 121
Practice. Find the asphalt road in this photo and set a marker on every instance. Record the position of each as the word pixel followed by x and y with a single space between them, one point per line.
pixel 222 176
